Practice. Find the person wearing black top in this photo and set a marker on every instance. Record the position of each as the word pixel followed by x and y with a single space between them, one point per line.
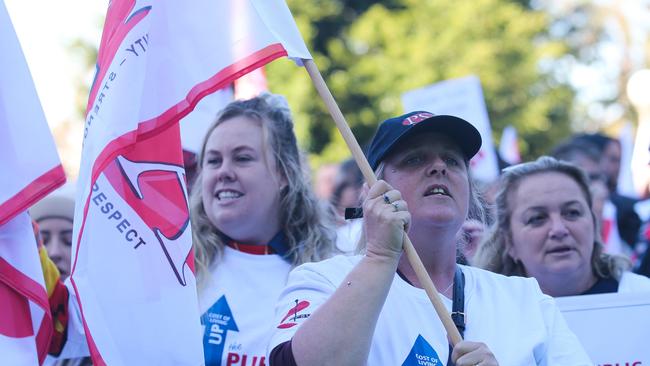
pixel 546 229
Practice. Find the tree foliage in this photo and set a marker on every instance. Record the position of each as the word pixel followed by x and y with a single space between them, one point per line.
pixel 370 52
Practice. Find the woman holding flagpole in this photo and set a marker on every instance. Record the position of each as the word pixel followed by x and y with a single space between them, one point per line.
pixel 371 308
pixel 254 217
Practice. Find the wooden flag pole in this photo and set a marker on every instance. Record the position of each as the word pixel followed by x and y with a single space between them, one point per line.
pixel 362 162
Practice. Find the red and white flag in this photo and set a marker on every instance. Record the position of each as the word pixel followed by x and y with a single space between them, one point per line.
pixel 133 265
pixel 32 170
pixel 251 84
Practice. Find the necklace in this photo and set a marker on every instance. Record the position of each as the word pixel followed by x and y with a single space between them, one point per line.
pixel 402 276
pixel 448 287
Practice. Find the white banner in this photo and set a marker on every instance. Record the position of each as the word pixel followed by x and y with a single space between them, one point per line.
pixel 133 266
pixel 613 328
pixel 462 98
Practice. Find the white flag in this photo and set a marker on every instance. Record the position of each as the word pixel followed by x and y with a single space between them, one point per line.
pixel 509 146
pixel 31 169
pixel 133 266
pixel 29 159
pixel 625 180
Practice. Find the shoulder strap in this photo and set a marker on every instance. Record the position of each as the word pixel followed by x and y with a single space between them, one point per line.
pixel 458 307
pixel 458 302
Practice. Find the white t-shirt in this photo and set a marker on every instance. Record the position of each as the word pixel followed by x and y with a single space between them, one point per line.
pixel 347 236
pixel 519 324
pixel 237 310
pixel 237 307
pixel 632 282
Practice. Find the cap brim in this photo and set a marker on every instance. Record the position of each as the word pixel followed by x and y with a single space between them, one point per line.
pixel 464 134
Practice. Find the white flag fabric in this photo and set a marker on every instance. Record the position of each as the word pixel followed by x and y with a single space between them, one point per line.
pixel 132 263
pixel 251 84
pixel 625 180
pixel 26 146
pixel 196 124
pixel 509 146
pixel 32 170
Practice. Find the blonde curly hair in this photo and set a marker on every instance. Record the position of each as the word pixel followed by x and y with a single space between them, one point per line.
pixel 307 226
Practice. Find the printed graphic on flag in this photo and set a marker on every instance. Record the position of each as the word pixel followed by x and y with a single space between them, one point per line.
pixel 133 267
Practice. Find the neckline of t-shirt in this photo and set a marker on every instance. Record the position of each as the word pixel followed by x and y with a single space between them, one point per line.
pixel 416 292
pixel 270 259
pixel 421 294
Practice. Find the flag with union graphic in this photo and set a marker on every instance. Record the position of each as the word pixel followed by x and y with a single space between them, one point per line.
pixel 31 168
pixel 132 264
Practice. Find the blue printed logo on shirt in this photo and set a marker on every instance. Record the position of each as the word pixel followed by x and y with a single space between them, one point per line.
pixel 422 354
pixel 217 320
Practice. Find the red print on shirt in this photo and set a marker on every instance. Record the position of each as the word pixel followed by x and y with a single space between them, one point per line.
pixel 290 320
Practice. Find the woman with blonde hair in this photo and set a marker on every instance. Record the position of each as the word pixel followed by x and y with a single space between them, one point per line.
pixel 546 229
pixel 254 217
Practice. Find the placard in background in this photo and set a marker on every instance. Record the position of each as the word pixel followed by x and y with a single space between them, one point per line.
pixel 613 328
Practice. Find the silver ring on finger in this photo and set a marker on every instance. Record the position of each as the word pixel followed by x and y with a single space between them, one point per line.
pixel 386 199
pixel 395 206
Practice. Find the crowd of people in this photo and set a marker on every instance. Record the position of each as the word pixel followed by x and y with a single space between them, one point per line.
pixel 314 281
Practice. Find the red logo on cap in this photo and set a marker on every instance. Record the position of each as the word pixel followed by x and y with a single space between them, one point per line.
pixel 411 120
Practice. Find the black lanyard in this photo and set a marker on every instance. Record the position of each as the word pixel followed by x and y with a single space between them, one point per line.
pixel 458 307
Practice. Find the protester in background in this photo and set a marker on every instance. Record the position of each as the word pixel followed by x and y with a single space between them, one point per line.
pixel 628 222
pixel 546 229
pixel 371 309
pixel 54 215
pixel 324 182
pixel 644 241
pixel 347 193
pixel 474 228
pixel 191 165
pixel 347 187
pixel 254 217
pixel 586 155
pixel 470 237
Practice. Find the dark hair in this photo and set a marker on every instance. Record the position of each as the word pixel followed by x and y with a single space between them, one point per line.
pixel 573 148
pixel 599 140
pixel 349 175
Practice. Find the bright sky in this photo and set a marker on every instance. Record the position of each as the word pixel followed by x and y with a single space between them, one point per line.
pixel 45 28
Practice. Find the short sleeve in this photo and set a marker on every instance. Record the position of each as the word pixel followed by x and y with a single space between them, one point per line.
pixel 305 291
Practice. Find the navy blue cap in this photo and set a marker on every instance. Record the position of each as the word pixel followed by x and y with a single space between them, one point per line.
pixel 394 130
